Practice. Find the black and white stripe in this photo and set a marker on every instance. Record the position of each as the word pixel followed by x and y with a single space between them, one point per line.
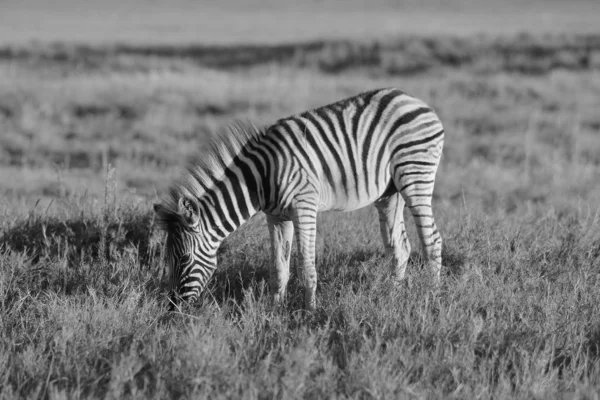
pixel 381 147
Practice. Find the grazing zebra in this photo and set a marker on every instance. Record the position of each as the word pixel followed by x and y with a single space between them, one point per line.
pixel 380 147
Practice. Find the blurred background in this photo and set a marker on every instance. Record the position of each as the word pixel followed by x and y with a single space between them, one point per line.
pixel 141 84
pixel 102 102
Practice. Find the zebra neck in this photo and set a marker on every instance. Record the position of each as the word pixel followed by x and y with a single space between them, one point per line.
pixel 234 195
pixel 227 207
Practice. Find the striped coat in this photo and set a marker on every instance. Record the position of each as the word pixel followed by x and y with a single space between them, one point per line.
pixel 380 147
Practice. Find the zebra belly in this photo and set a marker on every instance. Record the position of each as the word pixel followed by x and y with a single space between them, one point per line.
pixel 339 198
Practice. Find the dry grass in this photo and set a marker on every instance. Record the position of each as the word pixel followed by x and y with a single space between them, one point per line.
pixel 88 141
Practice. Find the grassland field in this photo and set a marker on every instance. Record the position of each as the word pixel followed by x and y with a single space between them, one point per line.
pixel 99 112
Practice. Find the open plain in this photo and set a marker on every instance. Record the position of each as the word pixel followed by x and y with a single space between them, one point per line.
pixel 100 107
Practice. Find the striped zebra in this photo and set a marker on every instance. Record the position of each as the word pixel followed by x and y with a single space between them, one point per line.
pixel 380 147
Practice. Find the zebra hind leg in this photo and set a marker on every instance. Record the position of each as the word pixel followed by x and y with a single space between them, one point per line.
pixel 393 233
pixel 415 181
pixel 281 233
pixel 417 190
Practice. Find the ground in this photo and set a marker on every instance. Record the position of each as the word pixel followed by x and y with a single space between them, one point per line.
pixel 100 108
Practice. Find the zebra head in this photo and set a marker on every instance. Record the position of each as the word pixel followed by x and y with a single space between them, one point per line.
pixel 190 257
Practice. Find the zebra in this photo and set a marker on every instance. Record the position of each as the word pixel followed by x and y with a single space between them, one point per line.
pixel 380 147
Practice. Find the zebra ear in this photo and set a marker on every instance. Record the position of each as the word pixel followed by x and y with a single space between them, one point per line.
pixel 189 210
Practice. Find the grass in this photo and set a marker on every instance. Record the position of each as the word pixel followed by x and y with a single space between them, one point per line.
pixel 91 132
pixel 515 316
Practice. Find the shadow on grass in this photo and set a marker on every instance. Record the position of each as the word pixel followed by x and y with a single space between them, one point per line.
pixel 72 256
pixel 585 358
pixel 353 269
pixel 453 260
pixel 67 255
pixel 230 283
pixel 82 238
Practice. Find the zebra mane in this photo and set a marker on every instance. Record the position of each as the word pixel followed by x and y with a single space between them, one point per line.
pixel 206 168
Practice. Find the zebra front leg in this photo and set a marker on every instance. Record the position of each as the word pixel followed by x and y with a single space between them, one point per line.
pixel 281 232
pixel 393 233
pixel 305 221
